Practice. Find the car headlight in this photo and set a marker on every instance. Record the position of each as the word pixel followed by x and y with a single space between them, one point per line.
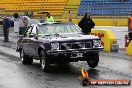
pixel 96 43
pixel 54 46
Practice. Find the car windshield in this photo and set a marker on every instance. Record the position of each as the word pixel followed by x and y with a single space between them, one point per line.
pixel 50 29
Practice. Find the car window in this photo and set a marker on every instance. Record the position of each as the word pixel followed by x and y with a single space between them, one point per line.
pixel 42 30
pixel 58 28
pixel 72 28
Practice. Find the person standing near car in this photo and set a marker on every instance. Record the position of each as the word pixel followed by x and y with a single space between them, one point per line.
pixel 24 25
pixel 70 16
pixel 86 24
pixel 49 18
pixel 130 26
pixel 6 27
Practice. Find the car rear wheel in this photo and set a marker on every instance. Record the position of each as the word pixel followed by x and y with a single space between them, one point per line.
pixel 93 61
pixel 44 62
pixel 25 59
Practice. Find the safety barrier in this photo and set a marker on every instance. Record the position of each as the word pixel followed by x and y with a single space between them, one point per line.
pixel 107 38
pixel 129 49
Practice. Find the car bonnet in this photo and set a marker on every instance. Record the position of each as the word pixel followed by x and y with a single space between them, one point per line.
pixel 73 37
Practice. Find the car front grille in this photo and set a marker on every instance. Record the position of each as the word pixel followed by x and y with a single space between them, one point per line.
pixel 77 45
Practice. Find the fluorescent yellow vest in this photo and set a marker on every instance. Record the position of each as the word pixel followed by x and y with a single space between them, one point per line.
pixel 51 19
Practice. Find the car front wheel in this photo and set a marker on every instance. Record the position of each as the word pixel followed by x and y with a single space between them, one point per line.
pixel 25 59
pixel 44 62
pixel 93 61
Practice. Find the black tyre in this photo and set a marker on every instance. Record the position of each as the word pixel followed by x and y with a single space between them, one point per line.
pixel 93 60
pixel 44 60
pixel 25 59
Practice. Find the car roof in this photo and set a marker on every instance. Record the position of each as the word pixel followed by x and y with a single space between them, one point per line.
pixel 51 23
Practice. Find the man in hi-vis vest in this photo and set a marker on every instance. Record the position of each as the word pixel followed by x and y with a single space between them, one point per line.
pixel 130 26
pixel 49 18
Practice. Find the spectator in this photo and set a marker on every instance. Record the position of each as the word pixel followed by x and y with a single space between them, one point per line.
pixel 130 26
pixel 6 27
pixel 23 25
pixel 86 24
pixel 70 16
pixel 25 22
pixel 49 18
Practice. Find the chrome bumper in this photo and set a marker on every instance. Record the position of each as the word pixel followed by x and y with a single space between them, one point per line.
pixel 74 51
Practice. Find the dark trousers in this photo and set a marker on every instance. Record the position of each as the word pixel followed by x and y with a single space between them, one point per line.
pixel 130 35
pixel 6 34
pixel 86 33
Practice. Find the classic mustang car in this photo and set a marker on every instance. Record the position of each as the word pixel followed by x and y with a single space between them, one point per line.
pixel 58 43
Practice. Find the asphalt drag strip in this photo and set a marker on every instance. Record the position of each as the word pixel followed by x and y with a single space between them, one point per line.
pixel 15 75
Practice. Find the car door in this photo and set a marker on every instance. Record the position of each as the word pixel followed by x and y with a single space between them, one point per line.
pixel 26 41
pixel 34 43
